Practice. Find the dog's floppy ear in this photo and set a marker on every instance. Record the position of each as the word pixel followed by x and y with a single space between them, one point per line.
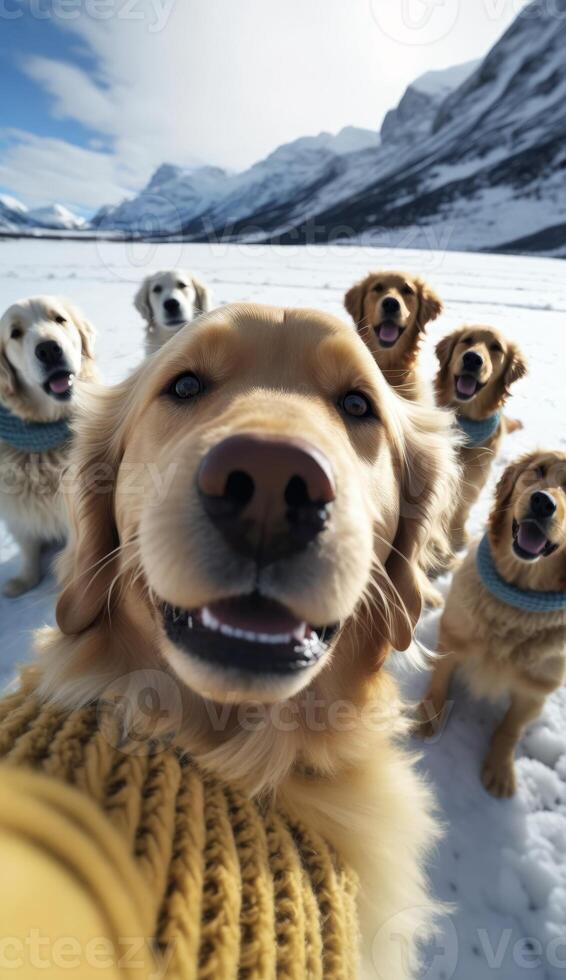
pixel 430 304
pixel 428 478
pixel 141 299
pixel 502 497
pixel 515 367
pixel 354 301
pixel 85 328
pixel 444 350
pixel 203 301
pixel 8 379
pixel 89 563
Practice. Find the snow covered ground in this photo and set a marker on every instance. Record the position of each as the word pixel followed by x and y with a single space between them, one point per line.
pixel 502 864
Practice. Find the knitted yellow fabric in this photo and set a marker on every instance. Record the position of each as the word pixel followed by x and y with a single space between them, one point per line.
pixel 220 886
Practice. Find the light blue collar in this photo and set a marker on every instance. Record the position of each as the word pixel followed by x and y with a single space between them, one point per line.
pixel 527 600
pixel 478 432
pixel 32 437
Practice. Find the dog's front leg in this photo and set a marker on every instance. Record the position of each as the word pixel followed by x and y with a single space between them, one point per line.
pixel 30 568
pixel 498 775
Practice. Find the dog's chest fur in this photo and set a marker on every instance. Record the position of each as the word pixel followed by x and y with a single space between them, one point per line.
pixel 30 491
pixel 507 641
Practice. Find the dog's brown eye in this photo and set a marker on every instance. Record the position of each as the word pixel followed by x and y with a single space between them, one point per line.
pixel 408 291
pixel 158 289
pixel 181 285
pixel 15 333
pixel 496 348
pixel 541 471
pixel 186 386
pixel 378 288
pixel 60 319
pixel 356 404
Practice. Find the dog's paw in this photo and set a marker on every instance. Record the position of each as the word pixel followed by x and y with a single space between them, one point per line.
pixel 432 598
pixel 498 777
pixel 15 587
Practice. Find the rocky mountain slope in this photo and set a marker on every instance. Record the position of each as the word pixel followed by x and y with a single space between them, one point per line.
pixel 491 173
pixel 14 217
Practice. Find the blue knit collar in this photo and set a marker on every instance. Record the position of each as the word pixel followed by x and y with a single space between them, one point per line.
pixel 478 432
pixel 527 600
pixel 32 437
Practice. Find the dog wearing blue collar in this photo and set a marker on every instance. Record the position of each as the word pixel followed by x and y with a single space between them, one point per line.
pixel 504 623
pixel 46 348
pixel 477 367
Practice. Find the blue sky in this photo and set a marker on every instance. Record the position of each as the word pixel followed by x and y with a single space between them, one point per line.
pixel 98 93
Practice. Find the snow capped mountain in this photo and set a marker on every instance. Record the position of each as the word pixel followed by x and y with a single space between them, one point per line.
pixel 490 172
pixel 173 196
pixel 56 216
pixel 202 201
pixel 14 216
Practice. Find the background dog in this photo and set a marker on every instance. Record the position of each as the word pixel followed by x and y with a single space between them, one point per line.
pixel 391 311
pixel 503 650
pixel 45 346
pixel 167 301
pixel 260 542
pixel 477 367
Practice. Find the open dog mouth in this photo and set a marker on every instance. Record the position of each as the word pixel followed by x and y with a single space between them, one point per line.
pixel 178 321
pixel 247 633
pixel 467 386
pixel 60 385
pixel 530 541
pixel 388 333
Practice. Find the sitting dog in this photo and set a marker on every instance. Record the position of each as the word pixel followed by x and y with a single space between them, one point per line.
pixel 167 301
pixel 505 618
pixel 391 311
pixel 259 543
pixel 477 368
pixel 45 346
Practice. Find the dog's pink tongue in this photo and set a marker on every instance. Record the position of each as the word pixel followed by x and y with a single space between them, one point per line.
pixel 61 384
pixel 256 614
pixel 388 332
pixel 530 538
pixel 466 385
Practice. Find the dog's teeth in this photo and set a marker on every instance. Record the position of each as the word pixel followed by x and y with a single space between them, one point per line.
pixel 208 620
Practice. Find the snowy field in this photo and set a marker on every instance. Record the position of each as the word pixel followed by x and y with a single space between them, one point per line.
pixel 501 864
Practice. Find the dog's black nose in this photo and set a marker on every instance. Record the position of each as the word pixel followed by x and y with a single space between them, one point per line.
pixel 543 504
pixel 472 361
pixel 268 497
pixel 390 305
pixel 172 305
pixel 49 352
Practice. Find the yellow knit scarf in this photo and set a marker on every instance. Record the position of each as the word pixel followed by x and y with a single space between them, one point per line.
pixel 224 887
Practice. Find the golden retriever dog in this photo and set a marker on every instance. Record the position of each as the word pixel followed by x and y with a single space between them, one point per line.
pixel 391 311
pixel 505 618
pixel 259 543
pixel 46 345
pixel 477 367
pixel 167 301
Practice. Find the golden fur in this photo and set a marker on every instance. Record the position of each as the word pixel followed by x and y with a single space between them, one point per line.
pixel 30 501
pixel 505 651
pixel 503 365
pixel 418 305
pixel 141 536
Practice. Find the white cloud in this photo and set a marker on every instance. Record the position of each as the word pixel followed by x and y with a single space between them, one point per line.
pixel 225 82
pixel 39 169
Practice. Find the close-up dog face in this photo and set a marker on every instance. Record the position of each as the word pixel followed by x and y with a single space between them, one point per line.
pixel 477 367
pixel 528 522
pixel 45 344
pixel 266 480
pixel 172 298
pixel 390 310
